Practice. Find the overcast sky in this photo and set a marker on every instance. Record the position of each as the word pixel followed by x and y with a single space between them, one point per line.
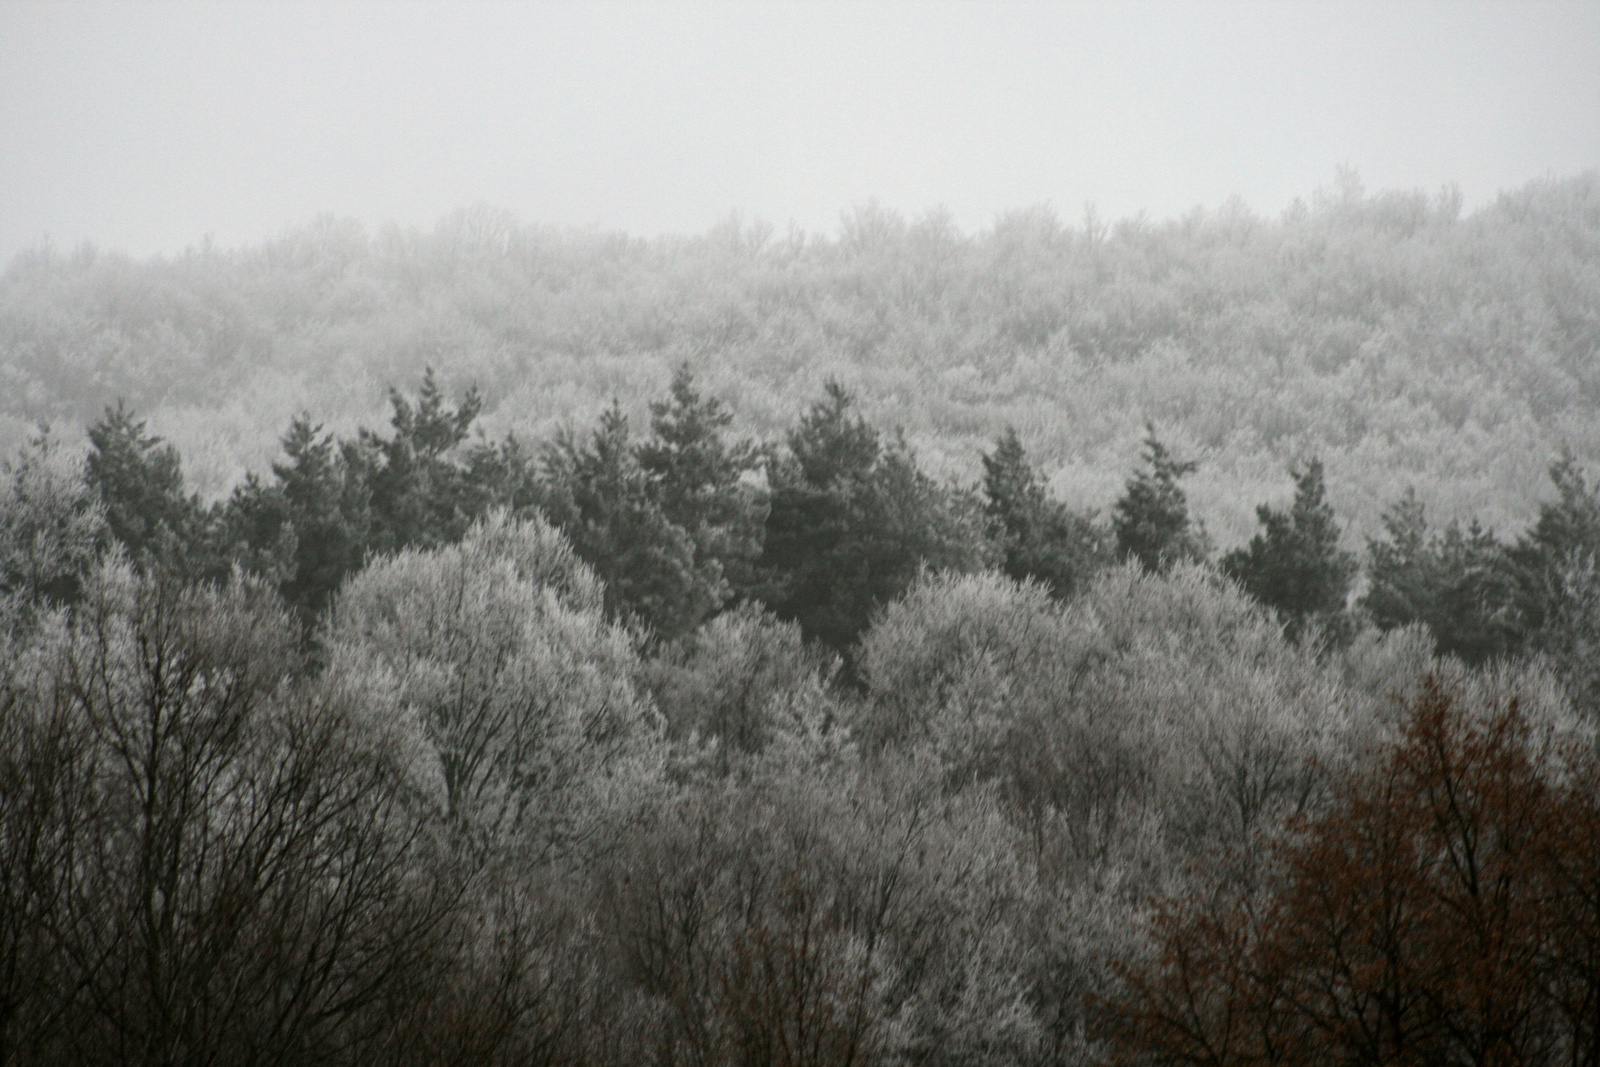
pixel 144 127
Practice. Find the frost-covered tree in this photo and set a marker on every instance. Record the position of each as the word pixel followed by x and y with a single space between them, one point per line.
pixel 521 693
pixel 52 528
pixel 744 681
pixel 828 916
pixel 1145 719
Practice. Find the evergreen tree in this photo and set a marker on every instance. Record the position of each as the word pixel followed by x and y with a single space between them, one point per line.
pixel 1294 565
pixel 1456 583
pixel 699 481
pixel 1553 568
pixel 310 529
pixel 332 504
pixel 1570 635
pixel 598 494
pixel 139 480
pixel 1151 520
pixel 1566 533
pixel 851 523
pixel 1040 537
pixel 420 492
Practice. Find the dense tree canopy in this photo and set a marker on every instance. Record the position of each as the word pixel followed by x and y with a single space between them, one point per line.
pixel 1442 910
pixel 628 739
pixel 492 820
pixel 1403 340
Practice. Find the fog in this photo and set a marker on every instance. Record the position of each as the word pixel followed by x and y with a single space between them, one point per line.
pixel 146 128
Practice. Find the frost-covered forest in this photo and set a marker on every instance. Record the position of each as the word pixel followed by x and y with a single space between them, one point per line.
pixel 1404 343
pixel 1070 643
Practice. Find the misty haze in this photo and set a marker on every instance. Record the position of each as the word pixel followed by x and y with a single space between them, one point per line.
pixel 799 534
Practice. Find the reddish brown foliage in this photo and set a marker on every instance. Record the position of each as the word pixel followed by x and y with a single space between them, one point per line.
pixel 1445 909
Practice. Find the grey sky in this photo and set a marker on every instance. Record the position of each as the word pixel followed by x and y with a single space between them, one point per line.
pixel 144 127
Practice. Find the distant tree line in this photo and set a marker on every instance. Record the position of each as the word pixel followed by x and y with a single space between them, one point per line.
pixel 1396 336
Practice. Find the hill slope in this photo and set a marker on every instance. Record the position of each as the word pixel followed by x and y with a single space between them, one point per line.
pixel 1397 339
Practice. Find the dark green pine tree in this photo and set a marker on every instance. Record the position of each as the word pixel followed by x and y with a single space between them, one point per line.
pixel 417 479
pixel 333 503
pixel 1456 583
pixel 140 482
pixel 700 483
pixel 1295 565
pixel 1039 537
pixel 310 528
pixel 1151 520
pixel 602 498
pixel 1555 570
pixel 852 522
pixel 1566 533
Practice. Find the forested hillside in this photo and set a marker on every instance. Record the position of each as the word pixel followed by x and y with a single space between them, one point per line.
pixel 497 647
pixel 1400 342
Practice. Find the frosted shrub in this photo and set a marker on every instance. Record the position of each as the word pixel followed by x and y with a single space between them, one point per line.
pixel 51 531
pixel 1151 712
pixel 827 916
pixel 742 681
pixel 496 651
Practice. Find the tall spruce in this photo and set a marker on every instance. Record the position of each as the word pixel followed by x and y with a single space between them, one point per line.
pixel 700 481
pixel 1039 537
pixel 595 490
pixel 1295 565
pixel 417 477
pixel 1151 519
pixel 1456 582
pixel 1556 571
pixel 139 480
pixel 851 523
pixel 311 527
pixel 1566 533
